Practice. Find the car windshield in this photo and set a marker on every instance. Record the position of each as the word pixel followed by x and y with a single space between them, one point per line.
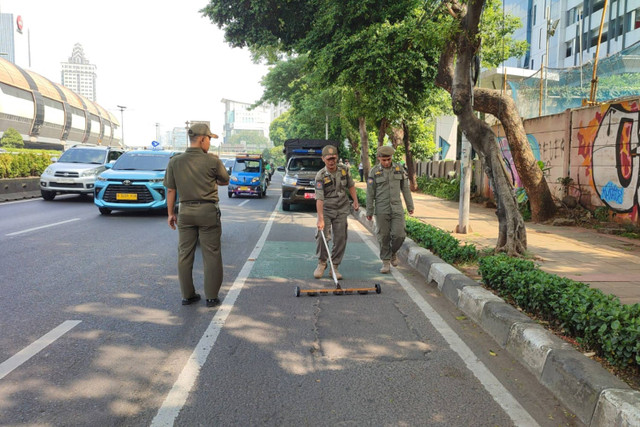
pixel 142 161
pixel 83 156
pixel 300 164
pixel 246 166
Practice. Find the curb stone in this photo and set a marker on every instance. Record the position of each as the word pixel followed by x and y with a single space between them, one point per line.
pixel 594 395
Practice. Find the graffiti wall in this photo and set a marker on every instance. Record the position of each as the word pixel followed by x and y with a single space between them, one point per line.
pixel 548 138
pixel 604 157
pixel 597 147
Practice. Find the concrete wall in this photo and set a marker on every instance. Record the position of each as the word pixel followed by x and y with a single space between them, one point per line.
pixel 596 146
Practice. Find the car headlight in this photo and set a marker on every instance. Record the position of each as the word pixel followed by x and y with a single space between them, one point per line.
pixel 289 180
pixel 90 172
pixel 48 171
pixel 256 179
pixel 233 178
pixel 156 180
pixel 100 178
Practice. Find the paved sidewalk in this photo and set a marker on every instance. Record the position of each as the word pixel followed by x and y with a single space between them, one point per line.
pixel 606 262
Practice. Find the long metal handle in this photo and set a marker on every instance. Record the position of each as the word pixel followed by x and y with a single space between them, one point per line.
pixel 326 246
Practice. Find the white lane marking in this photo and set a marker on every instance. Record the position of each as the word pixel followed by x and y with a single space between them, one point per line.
pixel 178 394
pixel 34 348
pixel 243 203
pixel 500 394
pixel 41 227
pixel 13 202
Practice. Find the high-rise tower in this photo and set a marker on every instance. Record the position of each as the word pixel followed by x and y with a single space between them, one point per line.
pixel 79 75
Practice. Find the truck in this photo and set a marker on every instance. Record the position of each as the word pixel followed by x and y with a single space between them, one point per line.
pixel 303 161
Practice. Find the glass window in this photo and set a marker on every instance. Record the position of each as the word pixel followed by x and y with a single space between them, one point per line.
pixel 142 161
pixel 81 155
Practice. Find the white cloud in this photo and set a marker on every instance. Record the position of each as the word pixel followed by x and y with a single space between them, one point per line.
pixel 162 60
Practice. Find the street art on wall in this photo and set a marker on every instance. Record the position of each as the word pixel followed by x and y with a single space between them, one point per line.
pixel 507 158
pixel 608 144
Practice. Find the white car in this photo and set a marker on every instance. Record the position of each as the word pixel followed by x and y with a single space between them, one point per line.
pixel 76 170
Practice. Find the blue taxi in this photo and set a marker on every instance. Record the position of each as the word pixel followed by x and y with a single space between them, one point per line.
pixel 133 182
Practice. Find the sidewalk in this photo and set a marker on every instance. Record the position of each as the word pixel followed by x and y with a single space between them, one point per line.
pixel 606 262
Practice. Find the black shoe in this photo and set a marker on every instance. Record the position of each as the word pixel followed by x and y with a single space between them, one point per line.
pixel 187 301
pixel 213 302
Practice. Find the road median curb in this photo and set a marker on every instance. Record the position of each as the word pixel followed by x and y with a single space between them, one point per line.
pixel 596 397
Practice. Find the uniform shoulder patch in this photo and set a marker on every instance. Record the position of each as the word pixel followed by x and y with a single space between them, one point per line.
pixel 369 180
pixel 319 185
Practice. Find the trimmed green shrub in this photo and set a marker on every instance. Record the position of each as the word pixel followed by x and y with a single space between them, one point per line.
pixel 598 321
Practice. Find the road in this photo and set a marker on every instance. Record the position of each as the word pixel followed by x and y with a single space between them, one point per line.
pixel 93 332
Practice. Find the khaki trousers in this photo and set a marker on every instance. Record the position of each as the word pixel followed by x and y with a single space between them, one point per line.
pixel 335 229
pixel 199 221
pixel 391 233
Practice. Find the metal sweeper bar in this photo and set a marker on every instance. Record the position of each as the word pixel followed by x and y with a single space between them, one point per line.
pixel 338 290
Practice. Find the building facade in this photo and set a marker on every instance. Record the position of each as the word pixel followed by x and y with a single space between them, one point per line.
pixel 79 75
pixel 571 28
pixel 240 117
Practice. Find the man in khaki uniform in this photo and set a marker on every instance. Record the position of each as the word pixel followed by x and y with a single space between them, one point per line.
pixel 195 176
pixel 386 182
pixel 332 203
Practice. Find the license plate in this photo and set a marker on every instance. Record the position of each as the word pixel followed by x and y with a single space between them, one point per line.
pixel 65 180
pixel 126 196
pixel 244 189
pixel 309 195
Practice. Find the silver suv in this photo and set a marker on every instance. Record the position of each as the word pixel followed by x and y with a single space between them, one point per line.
pixel 76 170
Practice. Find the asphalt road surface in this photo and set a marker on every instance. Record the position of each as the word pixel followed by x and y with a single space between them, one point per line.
pixel 92 331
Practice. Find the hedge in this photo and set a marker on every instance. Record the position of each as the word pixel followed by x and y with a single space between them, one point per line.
pixel 597 321
pixel 24 164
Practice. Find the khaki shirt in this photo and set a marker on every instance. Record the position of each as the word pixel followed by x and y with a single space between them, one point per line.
pixel 194 174
pixel 384 187
pixel 333 188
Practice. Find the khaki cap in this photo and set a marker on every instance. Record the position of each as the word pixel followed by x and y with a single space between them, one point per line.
pixel 329 150
pixel 385 151
pixel 199 129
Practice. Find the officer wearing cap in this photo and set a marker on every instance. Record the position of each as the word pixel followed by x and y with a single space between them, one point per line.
pixel 333 206
pixel 195 175
pixel 386 181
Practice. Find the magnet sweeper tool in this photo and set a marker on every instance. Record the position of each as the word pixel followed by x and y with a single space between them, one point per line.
pixel 338 290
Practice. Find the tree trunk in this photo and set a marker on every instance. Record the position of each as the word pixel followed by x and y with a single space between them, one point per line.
pixel 364 145
pixel 531 176
pixel 512 237
pixel 411 167
pixel 382 131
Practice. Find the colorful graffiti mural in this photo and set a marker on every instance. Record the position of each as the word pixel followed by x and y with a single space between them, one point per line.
pixel 507 158
pixel 608 144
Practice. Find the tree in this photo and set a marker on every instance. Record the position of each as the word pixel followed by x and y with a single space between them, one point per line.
pixel 457 61
pixel 12 139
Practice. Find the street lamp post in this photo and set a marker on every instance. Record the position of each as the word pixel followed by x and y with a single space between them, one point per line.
pixel 122 108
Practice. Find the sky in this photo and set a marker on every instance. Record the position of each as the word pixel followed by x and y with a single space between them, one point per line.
pixel 162 60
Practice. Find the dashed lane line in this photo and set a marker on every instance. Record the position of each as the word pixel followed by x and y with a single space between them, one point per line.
pixel 34 348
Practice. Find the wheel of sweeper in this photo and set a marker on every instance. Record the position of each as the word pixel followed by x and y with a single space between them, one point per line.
pixel 378 288
pixel 297 291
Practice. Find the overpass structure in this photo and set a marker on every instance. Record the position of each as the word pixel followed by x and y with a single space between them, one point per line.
pixel 49 115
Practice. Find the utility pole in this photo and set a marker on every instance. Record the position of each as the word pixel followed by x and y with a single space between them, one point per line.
pixel 122 108
pixel 465 187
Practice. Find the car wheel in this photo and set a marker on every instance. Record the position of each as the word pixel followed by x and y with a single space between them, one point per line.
pixel 105 211
pixel 285 206
pixel 230 194
pixel 260 192
pixel 48 195
pixel 264 193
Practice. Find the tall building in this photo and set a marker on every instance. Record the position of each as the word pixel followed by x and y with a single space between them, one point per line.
pixel 14 39
pixel 568 30
pixel 239 116
pixel 79 75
